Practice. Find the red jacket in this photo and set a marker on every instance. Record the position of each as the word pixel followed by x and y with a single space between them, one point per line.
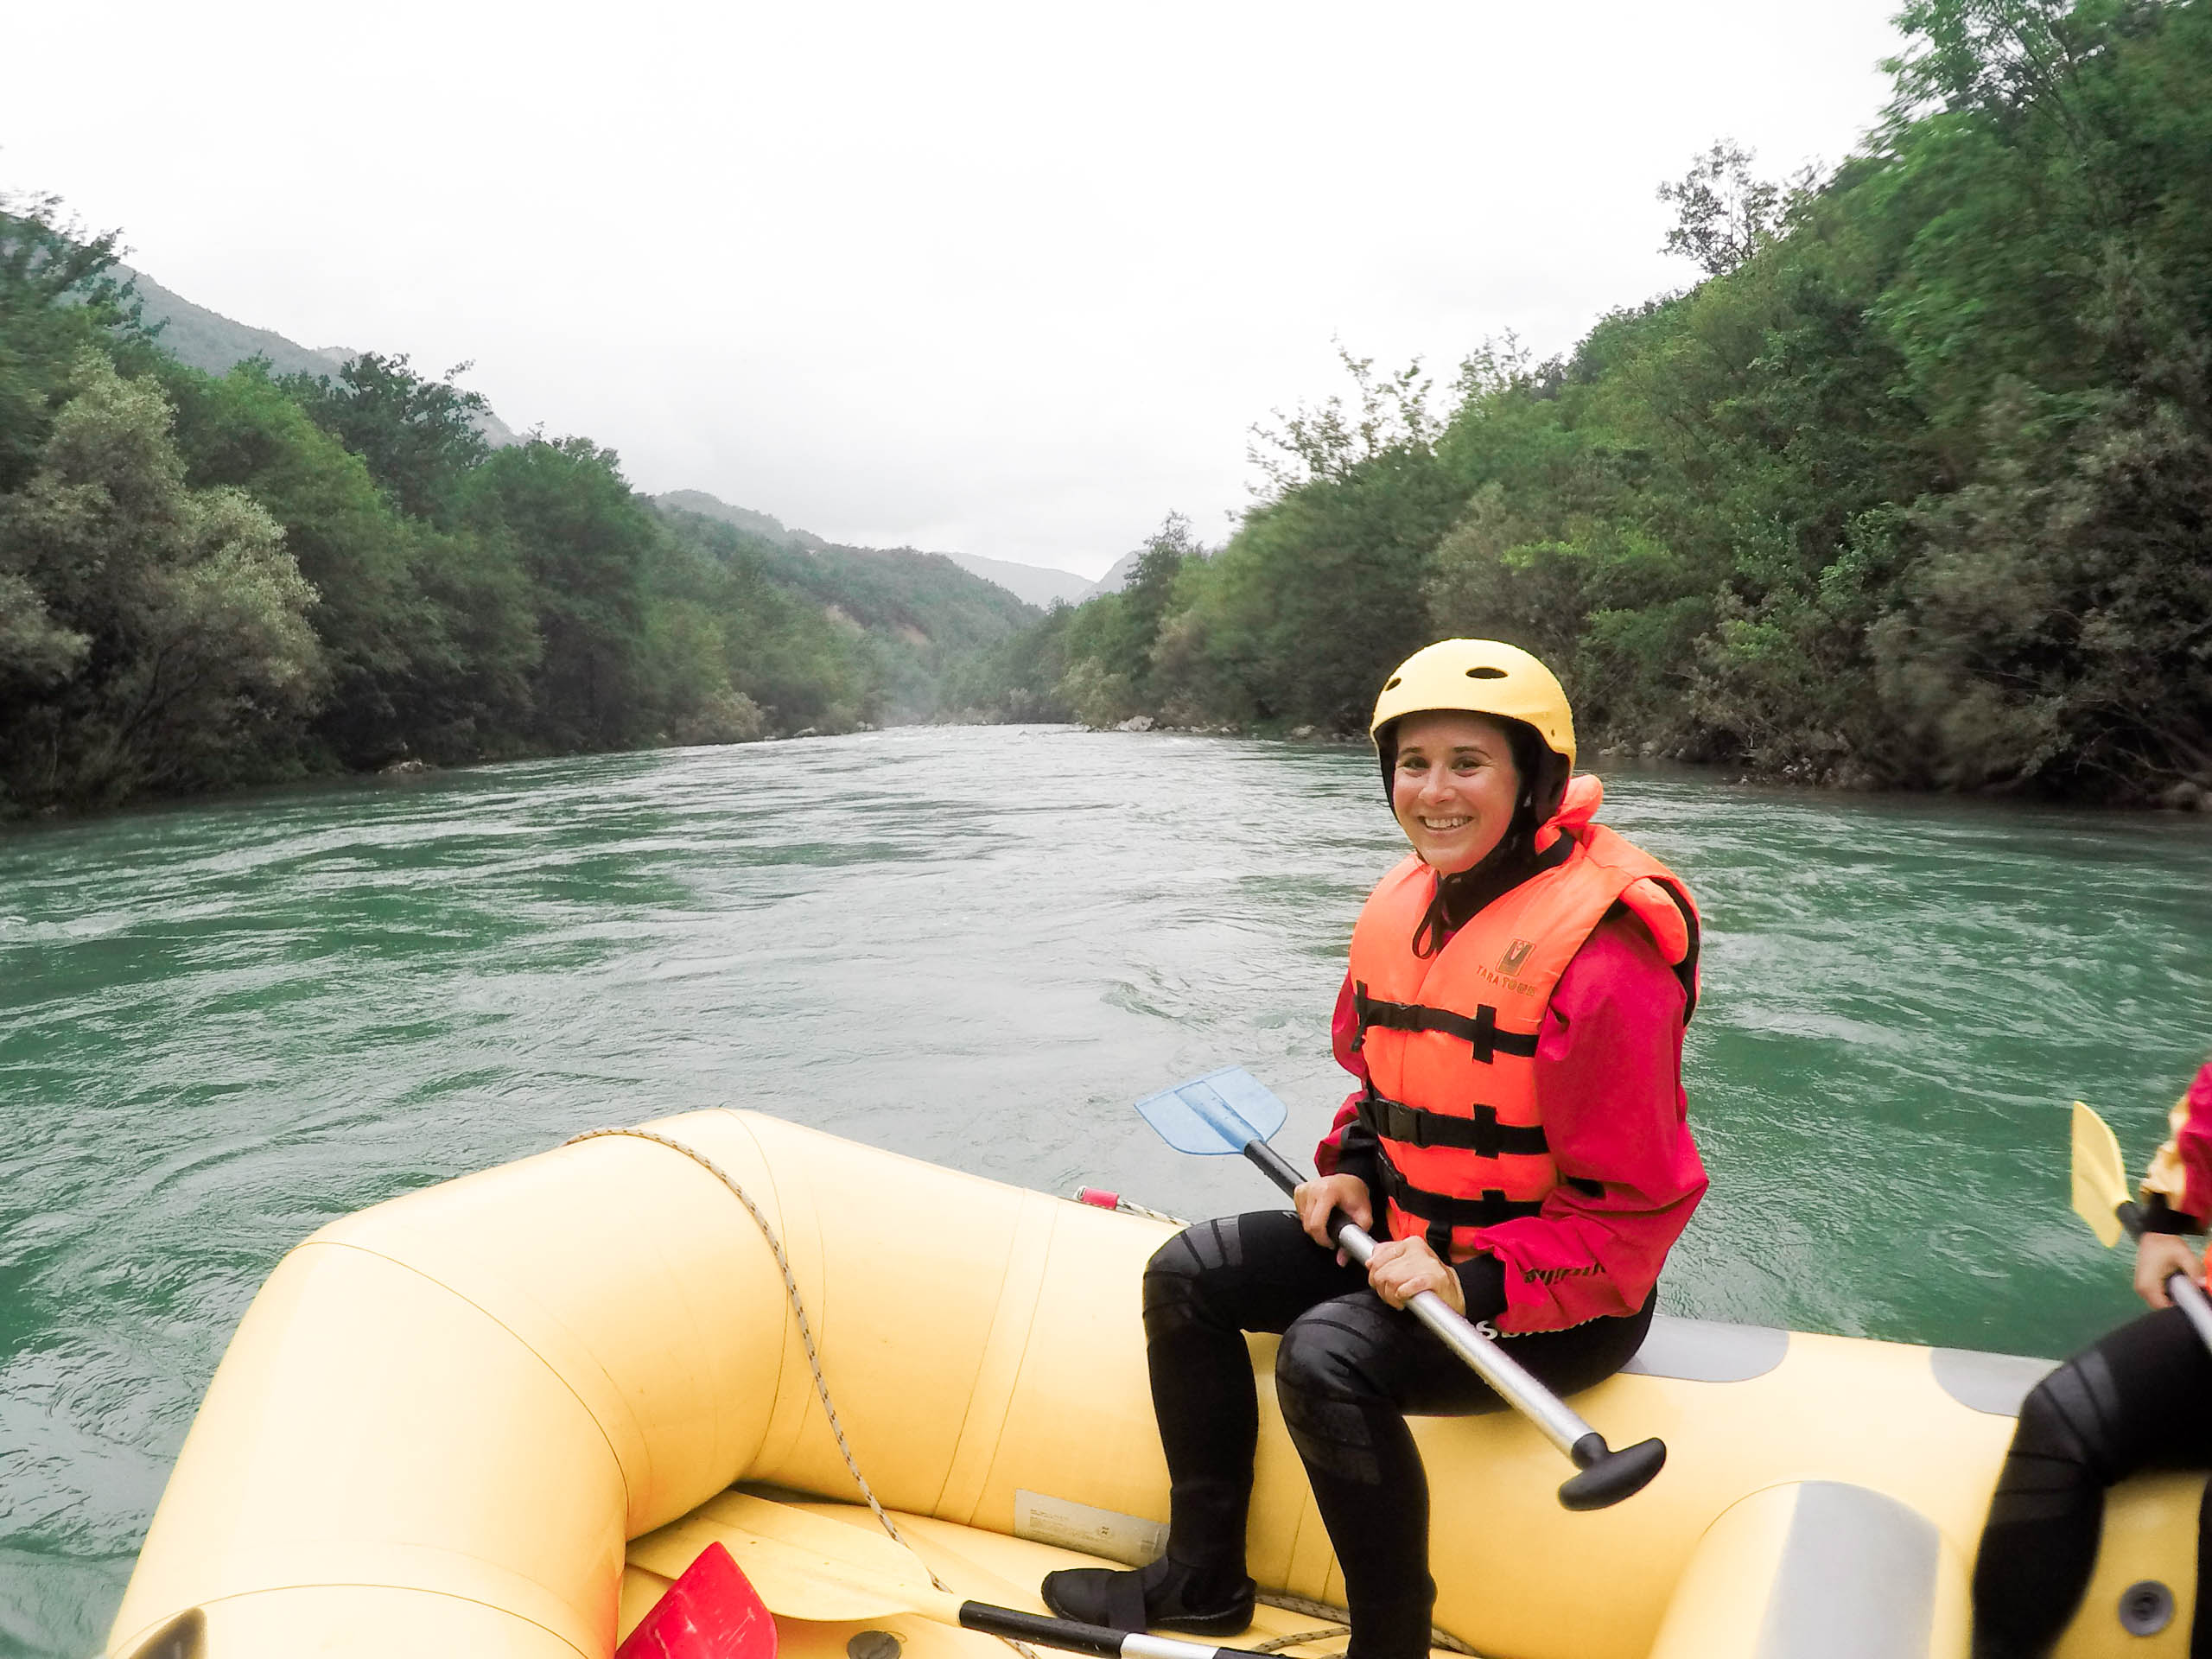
pixel 1608 1064
pixel 2177 1192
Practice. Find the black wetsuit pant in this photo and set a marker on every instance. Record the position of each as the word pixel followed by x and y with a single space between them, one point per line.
pixel 2141 1398
pixel 1349 1369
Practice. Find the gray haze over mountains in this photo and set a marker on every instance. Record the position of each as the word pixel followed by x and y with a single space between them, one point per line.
pixel 213 343
pixel 209 341
pixel 1032 584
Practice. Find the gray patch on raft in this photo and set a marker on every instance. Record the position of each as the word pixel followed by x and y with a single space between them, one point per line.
pixel 1994 1384
pixel 1857 1579
pixel 1708 1350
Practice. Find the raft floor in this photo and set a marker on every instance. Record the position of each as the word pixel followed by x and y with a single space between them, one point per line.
pixel 977 1566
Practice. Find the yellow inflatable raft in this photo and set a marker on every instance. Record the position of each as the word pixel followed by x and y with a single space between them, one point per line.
pixel 495 1417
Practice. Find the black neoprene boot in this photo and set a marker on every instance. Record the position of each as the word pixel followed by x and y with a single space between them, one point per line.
pixel 1166 1596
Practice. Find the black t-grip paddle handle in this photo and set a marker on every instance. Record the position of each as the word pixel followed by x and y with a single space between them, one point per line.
pixel 1094 1639
pixel 1607 1476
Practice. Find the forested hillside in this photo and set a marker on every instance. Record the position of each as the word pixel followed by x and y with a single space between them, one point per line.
pixel 921 614
pixel 208 581
pixel 1915 487
pixel 1035 585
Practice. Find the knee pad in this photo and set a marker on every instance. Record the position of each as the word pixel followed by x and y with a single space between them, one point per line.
pixel 2063 1448
pixel 1322 1353
pixel 1174 1279
pixel 1336 1416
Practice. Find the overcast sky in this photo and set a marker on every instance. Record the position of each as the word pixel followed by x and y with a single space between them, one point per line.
pixel 1014 280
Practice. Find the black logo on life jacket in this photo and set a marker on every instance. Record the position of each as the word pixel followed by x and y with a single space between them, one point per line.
pixel 1515 953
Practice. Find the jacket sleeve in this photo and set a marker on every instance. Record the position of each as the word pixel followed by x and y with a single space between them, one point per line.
pixel 1349 1148
pixel 1609 1082
pixel 2177 1190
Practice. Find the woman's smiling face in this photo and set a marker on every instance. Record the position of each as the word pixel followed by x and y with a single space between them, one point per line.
pixel 1453 788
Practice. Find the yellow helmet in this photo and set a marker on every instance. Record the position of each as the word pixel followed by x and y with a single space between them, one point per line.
pixel 1480 676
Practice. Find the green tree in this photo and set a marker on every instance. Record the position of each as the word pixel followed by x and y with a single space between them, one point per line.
pixel 428 636
pixel 1722 213
pixel 1022 678
pixel 420 437
pixel 781 654
pixel 1319 591
pixel 177 651
pixel 2058 634
pixel 1109 645
pixel 587 545
pixel 57 295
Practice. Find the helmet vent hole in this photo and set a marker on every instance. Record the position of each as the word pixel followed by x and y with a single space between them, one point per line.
pixel 1486 672
pixel 1396 680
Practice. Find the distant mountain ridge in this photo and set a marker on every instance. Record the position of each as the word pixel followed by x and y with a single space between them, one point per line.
pixel 209 341
pixel 768 528
pixel 922 618
pixel 213 343
pixel 1031 584
pixel 1118 577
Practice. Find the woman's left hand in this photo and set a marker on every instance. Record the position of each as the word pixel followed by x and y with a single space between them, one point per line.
pixel 1401 1268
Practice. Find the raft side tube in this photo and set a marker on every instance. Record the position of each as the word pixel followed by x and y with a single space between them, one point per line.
pixel 1993 1384
pixel 1819 1570
pixel 441 1417
pixel 2148 1544
pixel 1705 1350
pixel 353 1621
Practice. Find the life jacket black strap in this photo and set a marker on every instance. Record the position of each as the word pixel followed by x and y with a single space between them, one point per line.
pixel 1445 1213
pixel 1481 1032
pixel 1482 1134
pixel 1686 969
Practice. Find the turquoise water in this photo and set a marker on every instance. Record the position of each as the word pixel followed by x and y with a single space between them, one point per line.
pixel 222 1026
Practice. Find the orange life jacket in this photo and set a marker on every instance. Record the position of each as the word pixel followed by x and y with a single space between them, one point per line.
pixel 1450 1041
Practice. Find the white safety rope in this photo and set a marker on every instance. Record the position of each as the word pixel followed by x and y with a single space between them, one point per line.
pixel 799 1312
pixel 1340 1626
pixel 1290 1604
pixel 1129 1207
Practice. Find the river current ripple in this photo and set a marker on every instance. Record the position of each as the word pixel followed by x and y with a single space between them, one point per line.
pixel 223 1025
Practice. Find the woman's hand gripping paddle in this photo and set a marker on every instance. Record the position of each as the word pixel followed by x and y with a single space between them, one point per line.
pixel 812 1566
pixel 1231 1111
pixel 2102 1198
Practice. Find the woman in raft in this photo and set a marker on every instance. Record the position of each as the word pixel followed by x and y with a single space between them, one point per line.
pixel 1514 1013
pixel 2138 1398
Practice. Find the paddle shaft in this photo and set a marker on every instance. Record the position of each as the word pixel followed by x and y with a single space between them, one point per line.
pixel 1559 1422
pixel 1096 1639
pixel 2183 1291
pixel 802 1575
pixel 945 1608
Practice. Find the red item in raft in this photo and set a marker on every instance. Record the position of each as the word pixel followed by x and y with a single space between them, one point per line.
pixel 711 1612
pixel 1099 1196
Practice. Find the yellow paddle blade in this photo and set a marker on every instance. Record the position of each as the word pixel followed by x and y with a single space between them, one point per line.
pixel 2100 1177
pixel 802 1565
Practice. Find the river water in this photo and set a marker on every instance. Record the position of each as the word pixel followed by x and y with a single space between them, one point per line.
pixel 222 1026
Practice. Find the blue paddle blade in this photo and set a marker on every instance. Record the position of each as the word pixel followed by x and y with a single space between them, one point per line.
pixel 1225 1111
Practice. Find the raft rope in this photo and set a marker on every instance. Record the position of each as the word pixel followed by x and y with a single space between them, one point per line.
pixel 1131 1207
pixel 1299 1638
pixel 799 1312
pixel 1341 1626
pixel 1437 1638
